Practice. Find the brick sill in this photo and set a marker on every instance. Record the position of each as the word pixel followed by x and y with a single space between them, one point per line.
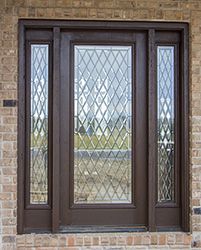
pixel 177 240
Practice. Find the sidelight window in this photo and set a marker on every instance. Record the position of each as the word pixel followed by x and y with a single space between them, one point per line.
pixel 39 124
pixel 166 122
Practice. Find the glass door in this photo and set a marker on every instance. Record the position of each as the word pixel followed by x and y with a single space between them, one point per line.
pixel 103 129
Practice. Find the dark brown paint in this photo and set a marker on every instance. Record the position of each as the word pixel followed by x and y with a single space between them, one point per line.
pixel 57 215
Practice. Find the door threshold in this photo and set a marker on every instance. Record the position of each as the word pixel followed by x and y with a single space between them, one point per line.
pixel 101 229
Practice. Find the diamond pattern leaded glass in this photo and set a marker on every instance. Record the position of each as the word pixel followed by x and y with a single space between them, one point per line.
pixel 39 124
pixel 165 83
pixel 102 124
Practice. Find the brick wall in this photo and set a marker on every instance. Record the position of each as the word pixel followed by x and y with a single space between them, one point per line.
pixel 169 10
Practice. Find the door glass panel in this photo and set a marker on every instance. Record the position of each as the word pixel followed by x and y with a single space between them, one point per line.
pixel 39 124
pixel 102 124
pixel 166 122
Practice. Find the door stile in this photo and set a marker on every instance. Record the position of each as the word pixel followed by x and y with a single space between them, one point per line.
pixel 152 158
pixel 56 129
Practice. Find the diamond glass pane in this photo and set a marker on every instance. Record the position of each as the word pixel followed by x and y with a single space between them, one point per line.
pixel 39 124
pixel 102 124
pixel 166 148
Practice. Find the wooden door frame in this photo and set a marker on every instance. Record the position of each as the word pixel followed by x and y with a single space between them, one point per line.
pixel 54 27
pixel 126 212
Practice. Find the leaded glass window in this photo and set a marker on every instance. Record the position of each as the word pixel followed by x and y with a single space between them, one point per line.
pixel 166 122
pixel 39 124
pixel 102 132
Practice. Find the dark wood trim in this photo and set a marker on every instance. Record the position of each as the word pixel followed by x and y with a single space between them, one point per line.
pixel 185 187
pixel 102 24
pixel 103 205
pixel 50 123
pixel 27 121
pixel 38 35
pixel 177 135
pixel 133 124
pixel 21 129
pixel 152 114
pixel 65 122
pixel 37 219
pixel 56 129
pixel 52 30
pixel 167 37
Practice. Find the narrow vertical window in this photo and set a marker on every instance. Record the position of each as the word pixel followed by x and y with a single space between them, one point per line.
pixel 166 123
pixel 39 124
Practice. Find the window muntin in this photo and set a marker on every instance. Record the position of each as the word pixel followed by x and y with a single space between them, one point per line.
pixel 102 132
pixel 39 124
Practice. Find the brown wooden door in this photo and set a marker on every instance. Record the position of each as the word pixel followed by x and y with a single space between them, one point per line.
pixel 103 134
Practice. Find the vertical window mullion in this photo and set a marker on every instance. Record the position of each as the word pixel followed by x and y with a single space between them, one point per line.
pixel 152 113
pixel 56 130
